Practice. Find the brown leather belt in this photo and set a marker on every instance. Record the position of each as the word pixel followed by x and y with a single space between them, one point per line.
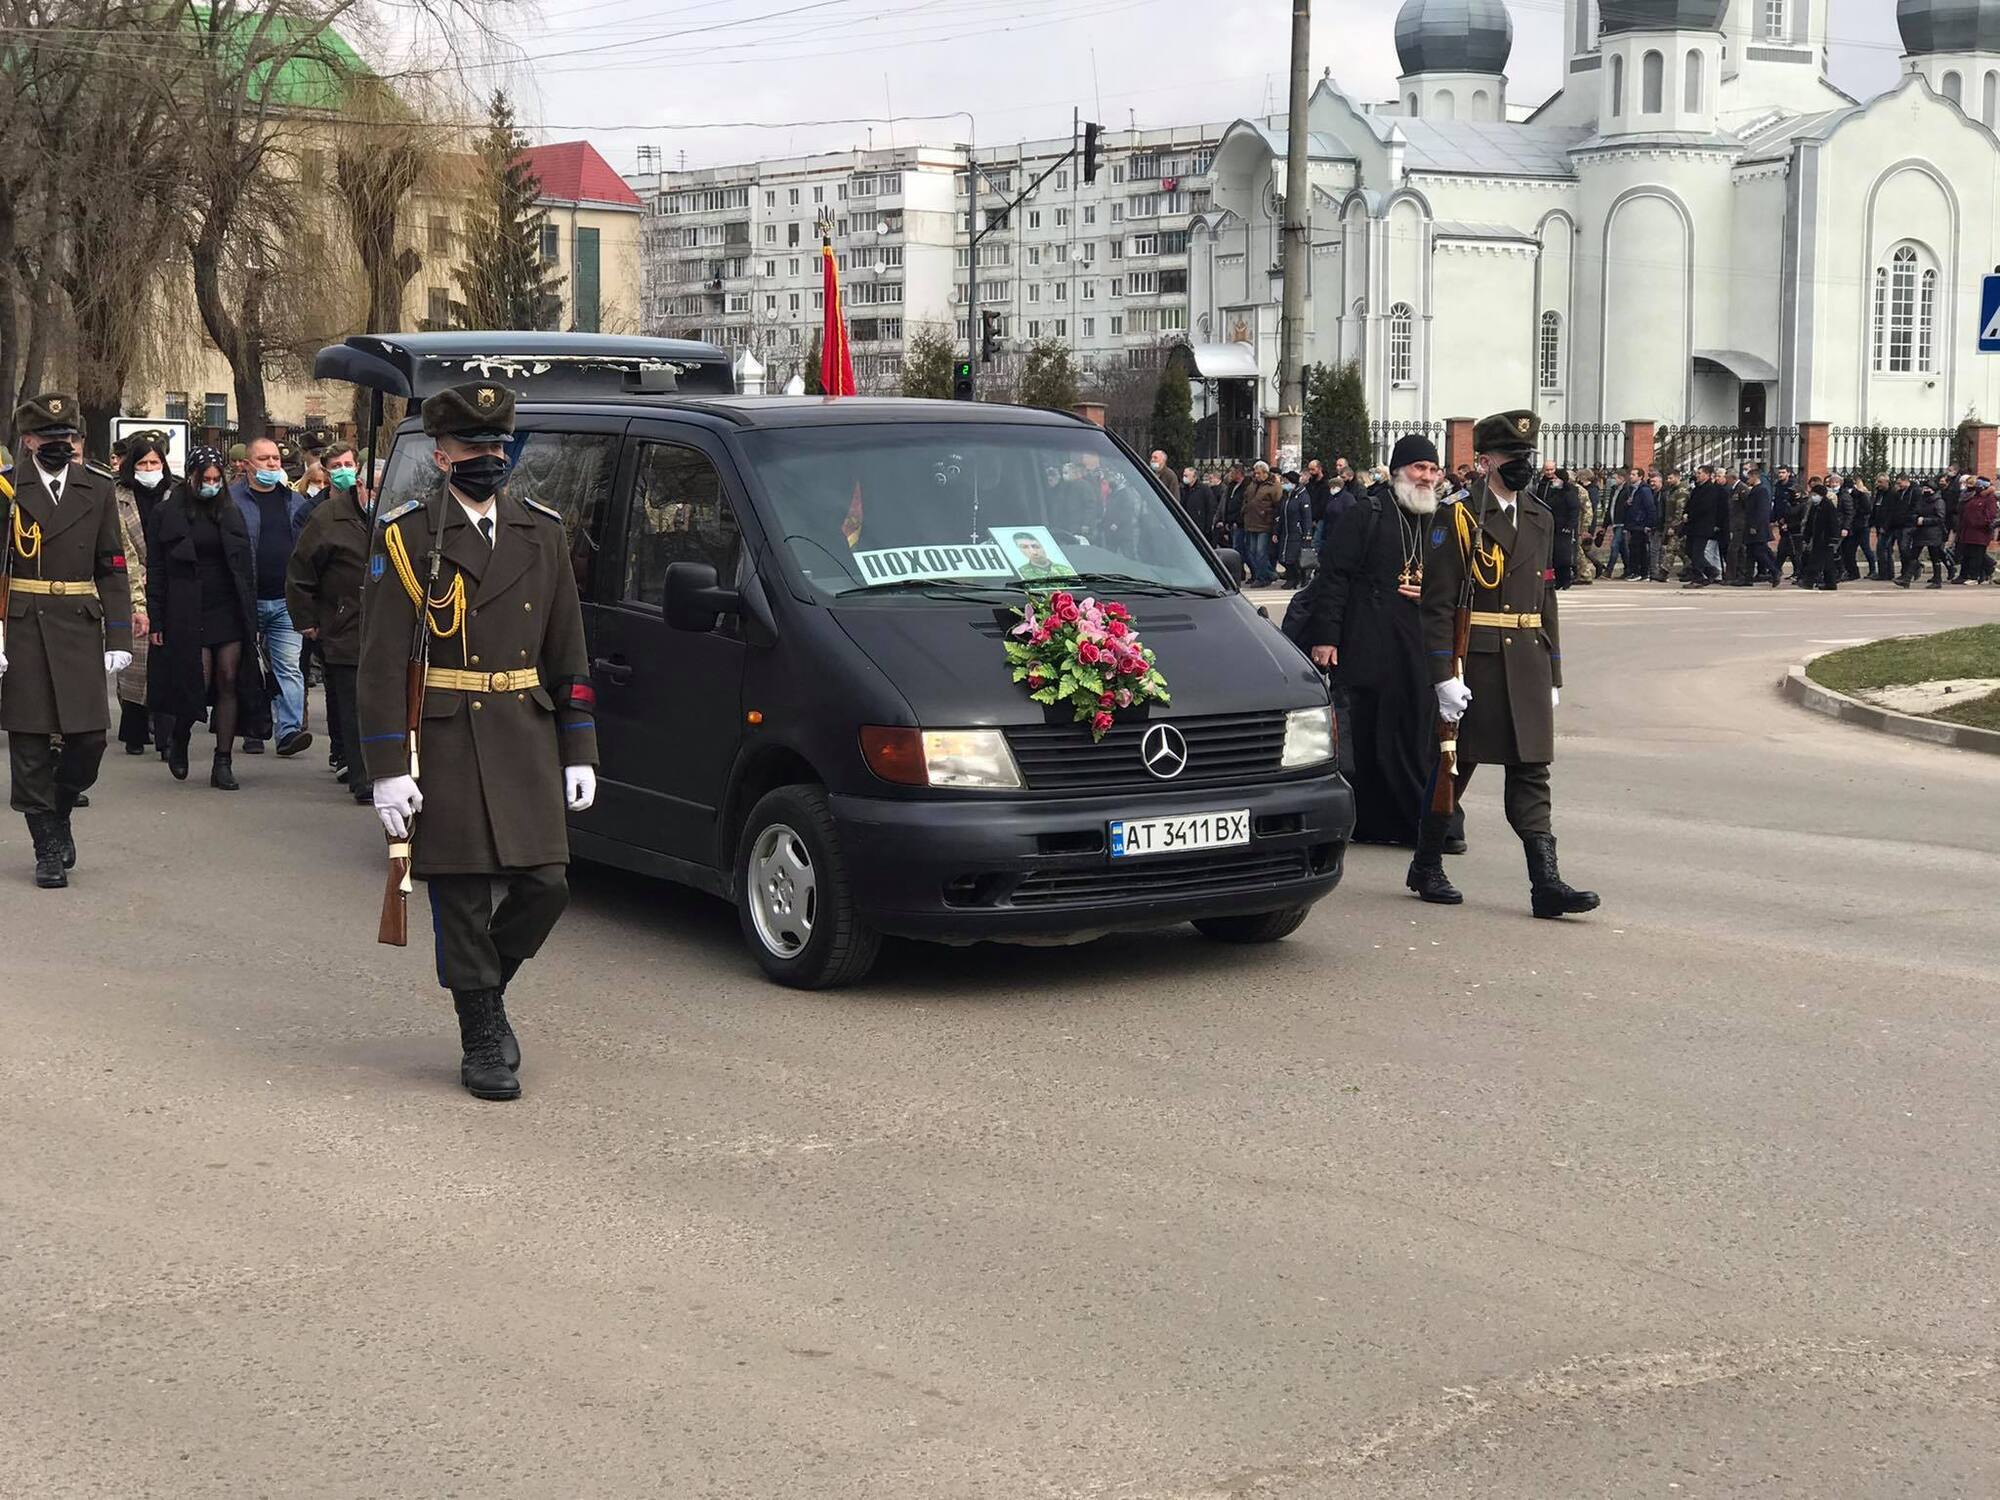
pixel 56 586
pixel 452 680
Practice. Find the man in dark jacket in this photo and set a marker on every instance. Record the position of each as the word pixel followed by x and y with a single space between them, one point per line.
pixel 1705 511
pixel 1616 507
pixel 323 593
pixel 1926 539
pixel 1642 519
pixel 272 513
pixel 1757 509
pixel 1262 496
pixel 1819 539
pixel 1978 513
pixel 1860 514
pixel 1892 527
pixel 1788 508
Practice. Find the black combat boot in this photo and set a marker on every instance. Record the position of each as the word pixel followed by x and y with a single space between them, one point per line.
pixel 66 802
pixel 484 1072
pixel 44 834
pixel 510 1046
pixel 1427 877
pixel 222 775
pixel 1550 896
pixel 177 754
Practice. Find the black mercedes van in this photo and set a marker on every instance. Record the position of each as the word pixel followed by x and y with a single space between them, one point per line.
pixel 797 611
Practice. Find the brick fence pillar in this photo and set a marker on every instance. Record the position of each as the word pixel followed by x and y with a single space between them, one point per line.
pixel 1638 445
pixel 1457 441
pixel 1271 441
pixel 1812 449
pixel 1090 411
pixel 1985 448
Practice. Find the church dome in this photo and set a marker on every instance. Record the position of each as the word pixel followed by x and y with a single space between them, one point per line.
pixel 1454 36
pixel 1930 26
pixel 1660 15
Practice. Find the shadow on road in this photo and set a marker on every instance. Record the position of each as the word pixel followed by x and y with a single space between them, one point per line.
pixel 667 922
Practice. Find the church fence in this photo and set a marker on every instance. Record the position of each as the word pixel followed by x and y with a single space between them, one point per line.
pixel 1686 448
pixel 1891 450
pixel 1383 437
pixel 1583 445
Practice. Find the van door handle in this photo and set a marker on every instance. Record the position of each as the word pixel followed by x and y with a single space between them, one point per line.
pixel 611 669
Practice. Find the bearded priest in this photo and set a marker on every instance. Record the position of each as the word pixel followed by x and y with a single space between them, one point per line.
pixel 1365 628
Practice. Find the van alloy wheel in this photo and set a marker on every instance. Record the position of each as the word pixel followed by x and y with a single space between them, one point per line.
pixel 784 890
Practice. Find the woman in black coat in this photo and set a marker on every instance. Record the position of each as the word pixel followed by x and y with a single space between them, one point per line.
pixel 201 585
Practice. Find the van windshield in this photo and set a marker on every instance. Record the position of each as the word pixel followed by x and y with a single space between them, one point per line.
pixel 922 509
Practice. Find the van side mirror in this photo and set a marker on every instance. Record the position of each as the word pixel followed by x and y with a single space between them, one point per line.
pixel 1231 560
pixel 694 599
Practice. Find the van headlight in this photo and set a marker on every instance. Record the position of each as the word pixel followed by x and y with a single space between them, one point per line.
pixel 975 758
pixel 1308 738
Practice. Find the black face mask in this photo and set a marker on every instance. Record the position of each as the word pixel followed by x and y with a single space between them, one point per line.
pixel 55 455
pixel 1516 472
pixel 477 478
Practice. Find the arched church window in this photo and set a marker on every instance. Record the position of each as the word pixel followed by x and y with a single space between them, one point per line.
pixel 1444 106
pixel 1617 85
pixel 1479 104
pixel 1903 337
pixel 1411 110
pixel 1652 82
pixel 1691 100
pixel 1402 345
pixel 1950 87
pixel 1989 107
pixel 1774 19
pixel 1548 360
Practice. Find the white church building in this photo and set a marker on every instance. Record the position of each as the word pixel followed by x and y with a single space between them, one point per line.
pixel 1698 228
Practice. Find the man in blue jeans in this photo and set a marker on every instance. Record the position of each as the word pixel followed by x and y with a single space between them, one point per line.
pixel 274 512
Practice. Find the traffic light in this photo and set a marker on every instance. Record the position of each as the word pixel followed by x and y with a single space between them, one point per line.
pixel 961 381
pixel 989 336
pixel 1092 151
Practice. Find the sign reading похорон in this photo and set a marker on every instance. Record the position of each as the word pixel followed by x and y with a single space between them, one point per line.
pixel 964 560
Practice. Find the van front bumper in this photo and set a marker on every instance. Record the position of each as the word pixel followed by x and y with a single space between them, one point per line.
pixel 1025 867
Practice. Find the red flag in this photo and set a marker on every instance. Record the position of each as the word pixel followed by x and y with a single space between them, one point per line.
pixel 836 363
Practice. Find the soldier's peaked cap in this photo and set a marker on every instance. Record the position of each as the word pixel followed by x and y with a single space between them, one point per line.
pixel 51 414
pixel 1506 432
pixel 479 413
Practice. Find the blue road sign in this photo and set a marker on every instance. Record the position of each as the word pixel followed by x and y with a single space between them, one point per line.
pixel 1989 315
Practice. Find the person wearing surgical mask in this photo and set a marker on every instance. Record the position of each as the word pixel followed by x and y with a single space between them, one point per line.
pixel 323 595
pixel 274 515
pixel 144 480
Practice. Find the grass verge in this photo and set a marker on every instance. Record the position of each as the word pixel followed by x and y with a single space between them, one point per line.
pixel 1971 652
pixel 1980 713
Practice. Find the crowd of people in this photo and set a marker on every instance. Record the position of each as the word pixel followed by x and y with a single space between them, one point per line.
pixel 1715 524
pixel 245 581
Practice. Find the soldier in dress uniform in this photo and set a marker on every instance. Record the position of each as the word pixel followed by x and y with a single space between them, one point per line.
pixel 508 736
pixel 68 623
pixel 1504 704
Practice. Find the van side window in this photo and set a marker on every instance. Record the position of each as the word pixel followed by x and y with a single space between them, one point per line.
pixel 678 515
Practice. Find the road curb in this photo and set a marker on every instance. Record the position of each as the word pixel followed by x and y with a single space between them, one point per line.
pixel 1803 691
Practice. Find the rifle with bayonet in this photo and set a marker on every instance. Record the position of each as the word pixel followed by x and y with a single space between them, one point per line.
pixel 6 555
pixel 1444 786
pixel 395 925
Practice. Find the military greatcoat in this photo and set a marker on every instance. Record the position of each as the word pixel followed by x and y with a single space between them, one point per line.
pixel 1510 669
pixel 56 641
pixel 491 761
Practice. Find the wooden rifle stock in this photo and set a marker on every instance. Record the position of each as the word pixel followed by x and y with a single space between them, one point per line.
pixel 1444 786
pixel 394 928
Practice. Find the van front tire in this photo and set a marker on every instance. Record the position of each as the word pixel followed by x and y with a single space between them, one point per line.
pixel 1258 927
pixel 793 898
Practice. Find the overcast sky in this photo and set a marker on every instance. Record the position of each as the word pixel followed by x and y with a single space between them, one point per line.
pixel 688 72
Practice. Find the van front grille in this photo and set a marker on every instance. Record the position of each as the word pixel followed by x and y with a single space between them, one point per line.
pixel 1221 748
pixel 1196 875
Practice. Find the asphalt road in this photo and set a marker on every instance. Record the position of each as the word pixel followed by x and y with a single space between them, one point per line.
pixel 1699 1196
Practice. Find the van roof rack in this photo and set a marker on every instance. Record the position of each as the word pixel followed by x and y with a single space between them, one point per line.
pixel 535 366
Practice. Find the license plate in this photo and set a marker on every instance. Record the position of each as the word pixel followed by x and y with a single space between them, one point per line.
pixel 1183 835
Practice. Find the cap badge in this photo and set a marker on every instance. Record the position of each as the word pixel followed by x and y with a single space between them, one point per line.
pixel 55 405
pixel 1521 426
pixel 487 396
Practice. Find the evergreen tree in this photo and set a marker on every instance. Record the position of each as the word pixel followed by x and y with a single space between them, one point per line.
pixel 1173 413
pixel 503 282
pixel 928 358
pixel 1336 417
pixel 1049 376
pixel 815 386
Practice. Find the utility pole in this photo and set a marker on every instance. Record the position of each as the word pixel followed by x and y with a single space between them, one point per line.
pixel 1298 249
pixel 968 375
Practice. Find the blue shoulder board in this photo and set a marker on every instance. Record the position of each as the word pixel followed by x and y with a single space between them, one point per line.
pixel 399 512
pixel 548 510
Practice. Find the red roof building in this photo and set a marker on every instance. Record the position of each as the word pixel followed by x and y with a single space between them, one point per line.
pixel 573 172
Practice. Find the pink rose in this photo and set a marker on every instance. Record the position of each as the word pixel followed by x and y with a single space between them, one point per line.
pixel 1105 700
pixel 1060 601
pixel 1124 697
pixel 1070 614
pixel 1087 654
pixel 1117 627
pixel 1100 722
pixel 1118 611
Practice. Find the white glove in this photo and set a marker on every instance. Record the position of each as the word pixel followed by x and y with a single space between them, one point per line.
pixel 397 800
pixel 579 787
pixel 1555 697
pixel 1453 696
pixel 117 661
pixel 3 663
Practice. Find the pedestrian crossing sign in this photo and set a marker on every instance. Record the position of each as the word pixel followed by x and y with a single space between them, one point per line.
pixel 1989 314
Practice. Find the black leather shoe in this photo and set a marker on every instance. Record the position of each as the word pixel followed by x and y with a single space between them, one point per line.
pixel 42 834
pixel 252 747
pixel 177 761
pixel 293 743
pixel 484 1070
pixel 1428 880
pixel 222 775
pixel 1548 895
